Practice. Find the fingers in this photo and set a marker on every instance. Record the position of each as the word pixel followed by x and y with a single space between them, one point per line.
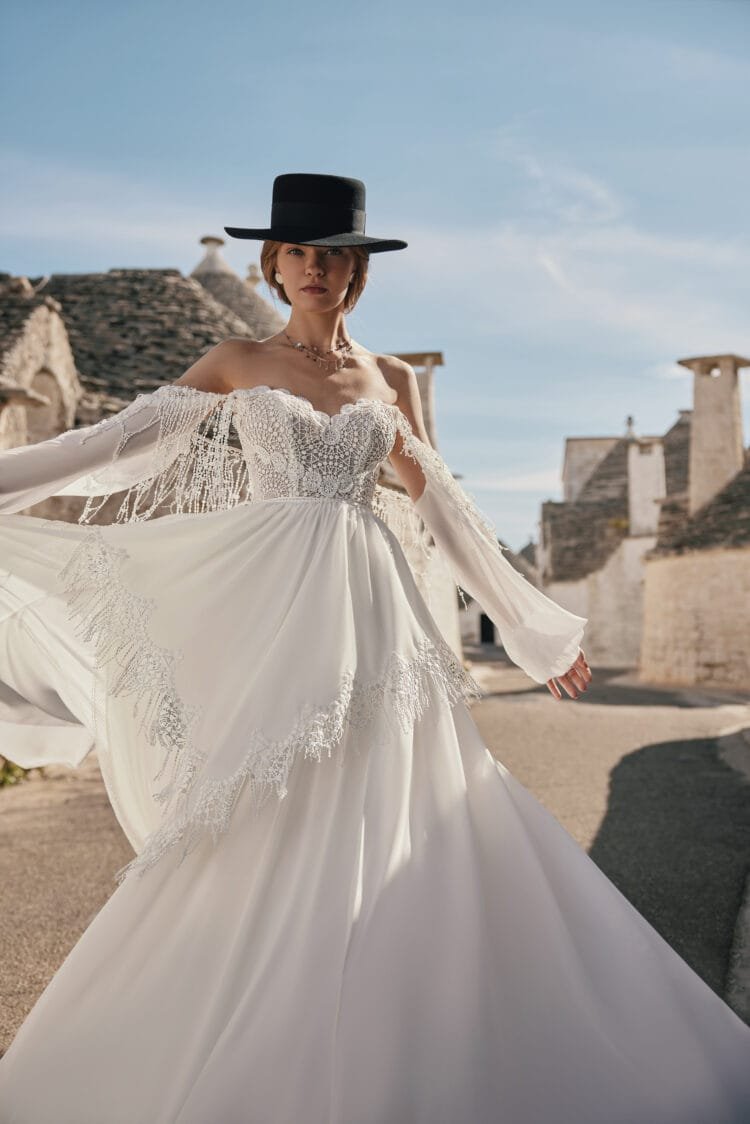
pixel 580 678
pixel 569 685
pixel 575 681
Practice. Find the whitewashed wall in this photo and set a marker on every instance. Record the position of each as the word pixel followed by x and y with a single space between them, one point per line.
pixel 612 599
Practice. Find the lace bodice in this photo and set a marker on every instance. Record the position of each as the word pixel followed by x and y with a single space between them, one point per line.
pixel 294 450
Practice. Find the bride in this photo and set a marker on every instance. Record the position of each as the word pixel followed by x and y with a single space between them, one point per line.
pixel 341 908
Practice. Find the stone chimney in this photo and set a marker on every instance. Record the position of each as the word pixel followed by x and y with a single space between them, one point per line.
pixel 647 484
pixel 212 261
pixel 254 276
pixel 716 449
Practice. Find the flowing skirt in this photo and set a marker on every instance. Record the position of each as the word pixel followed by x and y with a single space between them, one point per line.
pixel 399 933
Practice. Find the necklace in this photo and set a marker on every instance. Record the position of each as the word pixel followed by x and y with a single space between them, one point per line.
pixel 344 348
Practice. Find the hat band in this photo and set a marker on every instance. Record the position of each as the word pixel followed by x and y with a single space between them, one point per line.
pixel 349 220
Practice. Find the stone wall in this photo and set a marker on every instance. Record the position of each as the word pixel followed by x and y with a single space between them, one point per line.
pixel 697 619
pixel 40 359
pixel 612 599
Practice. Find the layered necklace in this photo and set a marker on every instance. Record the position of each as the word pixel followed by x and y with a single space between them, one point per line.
pixel 341 350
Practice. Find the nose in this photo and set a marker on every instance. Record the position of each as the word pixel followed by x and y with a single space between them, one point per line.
pixel 315 266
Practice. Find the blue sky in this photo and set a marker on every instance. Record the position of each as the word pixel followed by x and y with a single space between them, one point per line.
pixel 572 180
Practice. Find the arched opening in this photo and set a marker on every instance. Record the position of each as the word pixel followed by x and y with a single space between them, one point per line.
pixel 46 421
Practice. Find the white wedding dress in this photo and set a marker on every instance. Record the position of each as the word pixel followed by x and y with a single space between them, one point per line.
pixel 341 909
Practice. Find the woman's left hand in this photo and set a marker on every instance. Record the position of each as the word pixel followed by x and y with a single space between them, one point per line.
pixel 574 681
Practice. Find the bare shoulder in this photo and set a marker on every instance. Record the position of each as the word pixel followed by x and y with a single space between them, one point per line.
pixel 214 371
pixel 402 378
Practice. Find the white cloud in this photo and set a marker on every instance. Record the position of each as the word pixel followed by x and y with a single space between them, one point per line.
pixel 561 191
pixel 579 261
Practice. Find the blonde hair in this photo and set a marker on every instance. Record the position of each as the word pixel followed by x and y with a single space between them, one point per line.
pixel 268 256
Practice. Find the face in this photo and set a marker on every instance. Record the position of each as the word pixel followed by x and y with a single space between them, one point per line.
pixel 315 277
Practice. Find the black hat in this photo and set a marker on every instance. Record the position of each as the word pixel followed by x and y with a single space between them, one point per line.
pixel 318 210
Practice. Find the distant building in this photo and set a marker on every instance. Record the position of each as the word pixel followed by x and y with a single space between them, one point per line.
pixel 651 541
pixel 697 579
pixel 592 545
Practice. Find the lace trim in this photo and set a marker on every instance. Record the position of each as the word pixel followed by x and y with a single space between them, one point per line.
pixel 405 689
pixel 117 621
pixel 397 511
pixel 189 471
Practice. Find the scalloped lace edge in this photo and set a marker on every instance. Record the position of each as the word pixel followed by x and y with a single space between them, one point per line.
pixel 116 620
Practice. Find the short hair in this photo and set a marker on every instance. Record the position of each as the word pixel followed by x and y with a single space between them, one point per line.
pixel 268 265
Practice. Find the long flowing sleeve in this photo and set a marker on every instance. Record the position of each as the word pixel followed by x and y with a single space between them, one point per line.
pixel 153 450
pixel 539 635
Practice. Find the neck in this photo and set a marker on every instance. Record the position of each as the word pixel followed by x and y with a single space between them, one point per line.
pixel 322 329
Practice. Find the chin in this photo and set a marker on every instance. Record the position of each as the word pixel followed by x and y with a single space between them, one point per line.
pixel 322 303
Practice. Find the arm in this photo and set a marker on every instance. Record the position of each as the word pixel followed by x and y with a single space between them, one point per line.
pixel 152 450
pixel 83 461
pixel 538 634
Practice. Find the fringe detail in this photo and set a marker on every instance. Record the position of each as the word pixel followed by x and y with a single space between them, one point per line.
pixel 397 511
pixel 432 464
pixel 191 472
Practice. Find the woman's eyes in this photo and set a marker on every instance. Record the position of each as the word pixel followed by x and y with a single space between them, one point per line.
pixel 331 250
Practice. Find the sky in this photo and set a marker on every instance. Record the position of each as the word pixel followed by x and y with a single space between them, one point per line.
pixel 571 179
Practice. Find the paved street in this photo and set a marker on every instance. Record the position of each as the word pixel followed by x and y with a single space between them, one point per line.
pixel 654 784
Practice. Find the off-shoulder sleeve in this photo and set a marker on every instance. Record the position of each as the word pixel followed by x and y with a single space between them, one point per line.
pixel 539 635
pixel 167 448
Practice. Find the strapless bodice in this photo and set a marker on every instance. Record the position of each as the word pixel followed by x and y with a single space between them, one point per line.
pixel 294 450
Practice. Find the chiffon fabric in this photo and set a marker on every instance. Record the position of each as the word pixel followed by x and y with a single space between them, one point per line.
pixel 341 908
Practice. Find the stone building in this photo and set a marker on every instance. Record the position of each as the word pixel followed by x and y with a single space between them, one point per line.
pixel 650 541
pixel 78 347
pixel 593 543
pixel 696 627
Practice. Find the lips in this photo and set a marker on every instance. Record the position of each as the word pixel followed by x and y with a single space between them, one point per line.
pixel 313 289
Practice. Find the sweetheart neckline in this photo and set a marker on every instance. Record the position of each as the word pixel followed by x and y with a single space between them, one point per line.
pixel 346 408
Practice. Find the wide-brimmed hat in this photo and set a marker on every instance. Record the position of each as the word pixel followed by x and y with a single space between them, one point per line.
pixel 318 210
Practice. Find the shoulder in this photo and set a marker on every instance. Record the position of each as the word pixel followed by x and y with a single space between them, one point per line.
pixel 214 371
pixel 398 373
pixel 402 378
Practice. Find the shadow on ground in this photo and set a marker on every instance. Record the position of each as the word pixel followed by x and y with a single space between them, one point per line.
pixel 675 841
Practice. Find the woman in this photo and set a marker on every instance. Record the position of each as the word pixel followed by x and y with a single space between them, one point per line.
pixel 400 936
